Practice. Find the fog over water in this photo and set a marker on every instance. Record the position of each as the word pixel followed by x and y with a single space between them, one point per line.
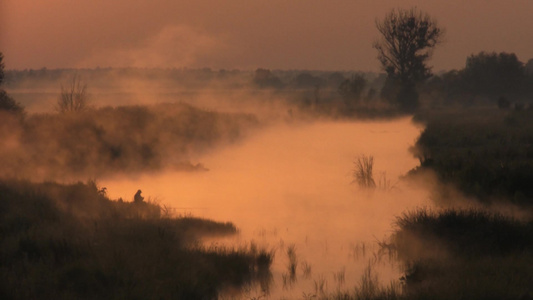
pixel 291 185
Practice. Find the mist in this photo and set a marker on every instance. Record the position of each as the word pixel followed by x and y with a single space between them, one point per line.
pixel 291 184
pixel 196 151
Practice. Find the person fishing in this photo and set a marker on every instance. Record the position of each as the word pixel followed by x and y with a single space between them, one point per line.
pixel 138 198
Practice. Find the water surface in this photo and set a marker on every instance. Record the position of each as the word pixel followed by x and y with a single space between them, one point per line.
pixel 291 186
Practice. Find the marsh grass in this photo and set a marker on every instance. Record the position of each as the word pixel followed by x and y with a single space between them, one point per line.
pixel 72 242
pixel 292 261
pixel 368 285
pixel 362 173
pixel 368 288
pixel 357 250
pixel 384 184
pixel 468 233
pixel 485 153
pixel 340 277
pixel 320 286
pixel 468 254
pixel 453 254
pixel 306 269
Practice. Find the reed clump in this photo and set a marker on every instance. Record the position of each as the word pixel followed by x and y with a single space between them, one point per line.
pixel 363 173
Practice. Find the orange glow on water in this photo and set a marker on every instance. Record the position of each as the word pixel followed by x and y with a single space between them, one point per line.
pixel 291 185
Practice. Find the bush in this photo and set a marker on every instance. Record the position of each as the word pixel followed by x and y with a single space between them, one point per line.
pixel 486 153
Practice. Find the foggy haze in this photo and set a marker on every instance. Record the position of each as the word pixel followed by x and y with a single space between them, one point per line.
pixel 248 116
pixel 291 185
pixel 332 35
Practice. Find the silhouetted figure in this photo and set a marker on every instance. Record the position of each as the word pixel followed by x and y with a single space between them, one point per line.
pixel 138 198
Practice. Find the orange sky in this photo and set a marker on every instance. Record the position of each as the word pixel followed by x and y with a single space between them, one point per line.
pixel 245 34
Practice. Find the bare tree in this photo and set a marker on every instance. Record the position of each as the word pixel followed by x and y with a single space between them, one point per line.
pixel 73 97
pixel 407 41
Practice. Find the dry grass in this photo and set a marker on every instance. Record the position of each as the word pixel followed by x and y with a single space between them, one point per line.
pixel 363 172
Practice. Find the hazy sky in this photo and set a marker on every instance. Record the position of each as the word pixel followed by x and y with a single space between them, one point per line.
pixel 245 34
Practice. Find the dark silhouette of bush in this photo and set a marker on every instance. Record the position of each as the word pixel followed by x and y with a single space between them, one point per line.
pixel 352 89
pixel 265 79
pixel 486 153
pixel 307 80
pixel 503 103
pixel 7 103
pixel 456 254
pixel 493 74
pixel 485 78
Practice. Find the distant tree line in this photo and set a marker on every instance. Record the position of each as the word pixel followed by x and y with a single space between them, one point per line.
pixel 487 77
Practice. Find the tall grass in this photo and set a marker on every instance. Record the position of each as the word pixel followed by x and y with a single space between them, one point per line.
pixel 363 172
pixel 454 254
pixel 486 153
pixel 465 254
pixel 72 242
pixel 292 261
pixel 368 288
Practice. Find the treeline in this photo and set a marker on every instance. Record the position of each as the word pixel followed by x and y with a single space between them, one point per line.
pixel 188 78
pixel 487 78
pixel 73 242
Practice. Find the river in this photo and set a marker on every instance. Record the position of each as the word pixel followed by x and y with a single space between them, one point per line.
pixel 290 187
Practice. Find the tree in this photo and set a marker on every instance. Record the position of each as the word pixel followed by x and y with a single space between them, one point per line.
pixel 529 67
pixel 407 42
pixel 7 103
pixel 351 89
pixel 74 97
pixel 305 80
pixel 265 79
pixel 493 74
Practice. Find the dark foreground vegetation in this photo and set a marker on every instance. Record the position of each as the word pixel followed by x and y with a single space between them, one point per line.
pixel 465 255
pixel 485 152
pixel 454 254
pixel 72 242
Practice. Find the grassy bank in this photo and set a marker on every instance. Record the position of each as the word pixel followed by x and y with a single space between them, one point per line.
pixel 72 242
pixel 453 254
pixel 486 152
pixel 465 255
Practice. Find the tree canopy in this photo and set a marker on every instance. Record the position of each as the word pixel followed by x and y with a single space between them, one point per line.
pixel 408 38
pixel 493 73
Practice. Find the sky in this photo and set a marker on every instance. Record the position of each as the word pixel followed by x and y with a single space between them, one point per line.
pixel 245 34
